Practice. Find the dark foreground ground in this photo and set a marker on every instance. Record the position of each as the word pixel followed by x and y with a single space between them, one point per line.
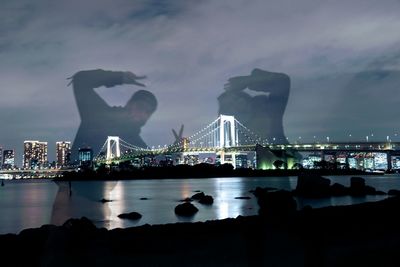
pixel 359 235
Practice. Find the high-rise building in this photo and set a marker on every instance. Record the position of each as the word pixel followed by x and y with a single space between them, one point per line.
pixel 63 153
pixel 1 159
pixel 8 159
pixel 85 156
pixel 35 154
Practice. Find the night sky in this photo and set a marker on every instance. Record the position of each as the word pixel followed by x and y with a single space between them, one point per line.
pixel 343 58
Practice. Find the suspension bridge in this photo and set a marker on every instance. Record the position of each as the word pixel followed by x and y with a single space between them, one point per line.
pixel 231 141
pixel 225 135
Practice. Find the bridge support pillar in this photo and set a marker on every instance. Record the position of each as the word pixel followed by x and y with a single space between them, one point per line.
pixel 389 160
pixel 113 141
pixel 227 131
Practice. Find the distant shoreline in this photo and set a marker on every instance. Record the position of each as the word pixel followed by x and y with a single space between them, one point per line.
pixel 196 172
pixel 201 171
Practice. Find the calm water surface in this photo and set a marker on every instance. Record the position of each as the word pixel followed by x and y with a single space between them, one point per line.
pixel 32 203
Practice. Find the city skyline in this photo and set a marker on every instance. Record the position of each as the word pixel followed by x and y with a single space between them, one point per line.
pixel 63 148
pixel 343 60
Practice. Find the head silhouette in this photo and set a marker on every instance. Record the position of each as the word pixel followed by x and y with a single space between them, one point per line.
pixel 141 106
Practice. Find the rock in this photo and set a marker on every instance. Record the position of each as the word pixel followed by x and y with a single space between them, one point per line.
pixel 79 224
pixel 104 200
pixel 339 190
pixel 313 186
pixel 357 183
pixel 79 231
pixel 242 197
pixel 394 192
pixel 279 203
pixel 262 190
pixel 186 209
pixel 206 200
pixel 198 196
pixel 188 199
pixel 197 191
pixel 130 216
pixel 357 186
pixel 369 190
pixel 143 198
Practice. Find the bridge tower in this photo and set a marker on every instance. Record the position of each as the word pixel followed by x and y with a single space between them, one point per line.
pixel 227 131
pixel 113 149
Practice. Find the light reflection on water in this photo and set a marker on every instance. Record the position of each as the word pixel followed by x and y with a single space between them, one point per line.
pixel 32 203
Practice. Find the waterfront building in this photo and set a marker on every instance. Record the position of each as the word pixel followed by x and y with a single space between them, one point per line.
pixel 85 156
pixel 63 153
pixel 35 154
pixel 8 159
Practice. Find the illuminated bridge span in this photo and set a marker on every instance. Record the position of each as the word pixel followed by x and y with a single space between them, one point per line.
pixel 228 138
pixel 223 133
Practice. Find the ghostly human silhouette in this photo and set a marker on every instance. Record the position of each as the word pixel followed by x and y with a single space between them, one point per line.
pixel 262 112
pixel 99 120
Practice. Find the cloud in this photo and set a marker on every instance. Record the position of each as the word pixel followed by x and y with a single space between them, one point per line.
pixel 189 49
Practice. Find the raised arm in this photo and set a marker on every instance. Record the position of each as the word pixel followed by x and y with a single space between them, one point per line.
pixel 277 84
pixel 88 101
pixel 274 82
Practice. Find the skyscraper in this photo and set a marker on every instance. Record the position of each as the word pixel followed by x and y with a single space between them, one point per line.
pixel 8 159
pixel 63 153
pixel 85 156
pixel 35 154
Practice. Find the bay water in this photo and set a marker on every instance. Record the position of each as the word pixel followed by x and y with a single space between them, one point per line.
pixel 31 203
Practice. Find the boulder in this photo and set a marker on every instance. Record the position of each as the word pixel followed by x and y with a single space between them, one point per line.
pixel 130 216
pixel 369 190
pixel 261 190
pixel 394 192
pixel 206 200
pixel 358 188
pixel 339 190
pixel 242 197
pixel 198 196
pixel 313 186
pixel 188 199
pixel 186 209
pixel 79 225
pixel 357 183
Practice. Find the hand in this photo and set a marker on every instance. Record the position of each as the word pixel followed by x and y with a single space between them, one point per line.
pixel 99 77
pixel 237 83
pixel 130 78
pixel 260 81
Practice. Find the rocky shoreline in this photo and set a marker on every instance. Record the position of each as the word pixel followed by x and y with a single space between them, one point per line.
pixel 365 234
